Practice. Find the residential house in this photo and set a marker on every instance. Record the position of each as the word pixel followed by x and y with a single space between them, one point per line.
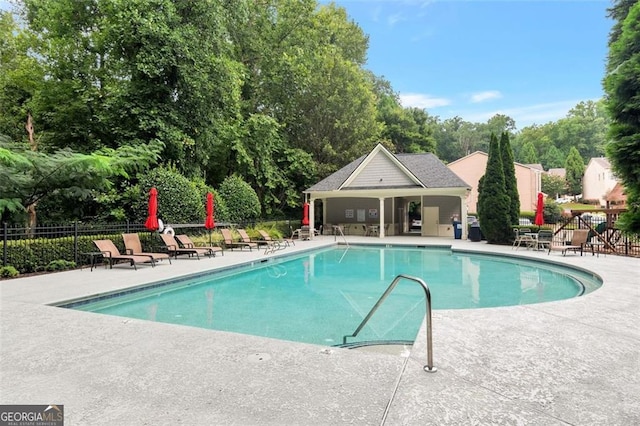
pixel 472 167
pixel 560 172
pixel 598 180
pixel 372 196
pixel 616 198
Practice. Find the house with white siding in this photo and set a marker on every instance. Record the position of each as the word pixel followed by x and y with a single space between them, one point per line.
pixel 598 180
pixel 377 191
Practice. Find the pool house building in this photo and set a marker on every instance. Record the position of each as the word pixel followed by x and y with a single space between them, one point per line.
pixel 382 193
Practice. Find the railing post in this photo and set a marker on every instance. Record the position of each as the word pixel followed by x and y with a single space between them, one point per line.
pixel 75 241
pixel 4 245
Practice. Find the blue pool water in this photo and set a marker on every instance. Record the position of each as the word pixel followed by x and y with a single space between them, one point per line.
pixel 321 296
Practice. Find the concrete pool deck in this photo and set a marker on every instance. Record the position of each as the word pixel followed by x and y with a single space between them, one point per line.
pixel 571 362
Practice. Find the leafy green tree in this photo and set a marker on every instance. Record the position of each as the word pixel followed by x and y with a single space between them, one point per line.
pixel 574 167
pixel 456 138
pixel 623 105
pixel 552 213
pixel 510 183
pixel 20 77
pixel 585 128
pixel 241 200
pixel 493 202
pixel 552 158
pixel 303 67
pixel 407 129
pixel 496 125
pixel 528 154
pixel 133 71
pixel 28 176
pixel 553 185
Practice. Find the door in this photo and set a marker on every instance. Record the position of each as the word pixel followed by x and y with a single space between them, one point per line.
pixel 430 221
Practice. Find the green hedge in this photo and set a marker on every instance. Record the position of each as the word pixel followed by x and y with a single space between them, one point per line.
pixel 35 255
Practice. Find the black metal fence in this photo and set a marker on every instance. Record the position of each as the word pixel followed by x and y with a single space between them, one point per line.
pixel 603 235
pixel 32 249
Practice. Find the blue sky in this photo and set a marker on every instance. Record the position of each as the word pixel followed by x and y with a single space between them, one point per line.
pixel 529 59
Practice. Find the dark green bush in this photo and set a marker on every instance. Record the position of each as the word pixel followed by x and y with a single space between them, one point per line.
pixel 8 272
pixel 60 265
pixel 179 200
pixel 241 200
pixel 552 212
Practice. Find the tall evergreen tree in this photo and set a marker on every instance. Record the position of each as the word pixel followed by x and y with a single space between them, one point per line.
pixel 510 183
pixel 528 154
pixel 493 201
pixel 623 103
pixel 575 171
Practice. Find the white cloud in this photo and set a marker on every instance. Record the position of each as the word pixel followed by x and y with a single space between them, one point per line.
pixel 485 96
pixel 525 115
pixel 418 100
pixel 395 18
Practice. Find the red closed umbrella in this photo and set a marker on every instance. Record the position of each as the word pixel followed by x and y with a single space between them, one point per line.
pixel 152 220
pixel 539 220
pixel 305 214
pixel 209 223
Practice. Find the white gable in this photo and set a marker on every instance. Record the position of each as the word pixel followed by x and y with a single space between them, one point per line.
pixel 380 171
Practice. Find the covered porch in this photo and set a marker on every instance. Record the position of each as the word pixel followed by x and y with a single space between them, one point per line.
pixel 389 213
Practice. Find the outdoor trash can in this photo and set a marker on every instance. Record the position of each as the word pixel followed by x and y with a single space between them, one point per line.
pixel 474 233
pixel 457 229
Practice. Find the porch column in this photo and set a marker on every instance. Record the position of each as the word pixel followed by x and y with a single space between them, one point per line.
pixel 312 222
pixel 381 217
pixel 463 216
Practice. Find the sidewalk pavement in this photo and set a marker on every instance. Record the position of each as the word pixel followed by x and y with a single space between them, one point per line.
pixel 575 361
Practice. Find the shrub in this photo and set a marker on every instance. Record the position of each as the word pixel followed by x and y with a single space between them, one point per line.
pixel 59 265
pixel 34 255
pixel 552 212
pixel 8 272
pixel 241 200
pixel 179 200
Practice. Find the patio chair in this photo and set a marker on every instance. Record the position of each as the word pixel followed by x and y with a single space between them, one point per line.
pixel 265 236
pixel 521 236
pixel 112 254
pixel 174 248
pixel 230 243
pixel 303 233
pixel 578 241
pixel 545 238
pixel 244 237
pixel 187 243
pixel 133 246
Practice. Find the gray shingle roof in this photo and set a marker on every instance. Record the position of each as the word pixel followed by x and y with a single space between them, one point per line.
pixel 431 171
pixel 427 168
pixel 333 181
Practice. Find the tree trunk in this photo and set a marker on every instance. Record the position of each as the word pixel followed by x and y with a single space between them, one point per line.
pixel 31 219
pixel 31 208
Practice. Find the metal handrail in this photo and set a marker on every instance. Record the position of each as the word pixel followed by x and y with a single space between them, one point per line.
pixel 335 236
pixel 429 367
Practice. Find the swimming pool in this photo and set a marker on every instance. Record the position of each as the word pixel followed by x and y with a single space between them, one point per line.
pixel 318 297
